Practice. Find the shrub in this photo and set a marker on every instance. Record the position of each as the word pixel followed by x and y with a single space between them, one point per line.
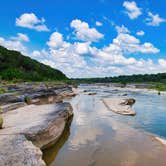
pixel 27 99
pixel 1 122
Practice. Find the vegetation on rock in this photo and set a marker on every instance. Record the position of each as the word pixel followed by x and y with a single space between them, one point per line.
pixel 1 122
pixel 27 99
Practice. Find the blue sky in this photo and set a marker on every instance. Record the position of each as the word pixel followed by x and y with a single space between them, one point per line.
pixel 94 38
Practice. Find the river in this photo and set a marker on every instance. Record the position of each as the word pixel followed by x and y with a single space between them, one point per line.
pixel 98 137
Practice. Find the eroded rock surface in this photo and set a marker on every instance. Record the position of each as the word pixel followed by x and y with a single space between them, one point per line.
pixel 30 128
pixel 16 150
pixel 120 105
pixel 33 93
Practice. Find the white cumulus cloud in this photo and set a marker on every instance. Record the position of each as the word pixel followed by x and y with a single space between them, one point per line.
pixel 84 32
pixel 14 43
pixel 36 53
pixel 122 29
pixel 21 37
pixel 31 21
pixel 132 10
pixel 56 41
pixel 82 48
pixel 162 62
pixel 98 23
pixel 130 44
pixel 140 33
pixel 154 19
pixel 71 58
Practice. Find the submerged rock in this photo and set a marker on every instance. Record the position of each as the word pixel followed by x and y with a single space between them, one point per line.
pixel 120 105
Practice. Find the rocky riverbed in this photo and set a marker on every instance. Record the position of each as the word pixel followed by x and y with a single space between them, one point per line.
pixel 34 117
pixel 99 136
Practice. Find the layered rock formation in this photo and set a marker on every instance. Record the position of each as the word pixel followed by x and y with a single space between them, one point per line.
pixel 41 125
pixel 30 127
pixel 19 95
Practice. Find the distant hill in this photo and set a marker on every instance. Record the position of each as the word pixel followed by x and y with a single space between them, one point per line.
pixel 139 78
pixel 14 65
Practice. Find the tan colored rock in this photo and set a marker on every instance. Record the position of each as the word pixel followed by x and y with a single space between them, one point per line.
pixel 16 150
pixel 120 105
pixel 12 106
pixel 41 125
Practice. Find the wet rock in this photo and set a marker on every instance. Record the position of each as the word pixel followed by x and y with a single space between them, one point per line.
pixel 120 105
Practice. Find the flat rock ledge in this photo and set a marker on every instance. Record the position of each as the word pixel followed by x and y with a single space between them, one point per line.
pixel 29 129
pixel 121 106
pixel 17 96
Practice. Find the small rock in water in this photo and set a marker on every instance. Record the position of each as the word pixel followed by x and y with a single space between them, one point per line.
pixel 125 94
pixel 128 102
pixel 92 93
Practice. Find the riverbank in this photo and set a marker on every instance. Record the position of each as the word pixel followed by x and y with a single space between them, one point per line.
pixel 35 124
pixel 146 90
pixel 135 87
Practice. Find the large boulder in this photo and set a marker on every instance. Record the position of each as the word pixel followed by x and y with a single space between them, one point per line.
pixel 28 129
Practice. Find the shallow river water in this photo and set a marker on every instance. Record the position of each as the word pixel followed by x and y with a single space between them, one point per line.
pixel 99 137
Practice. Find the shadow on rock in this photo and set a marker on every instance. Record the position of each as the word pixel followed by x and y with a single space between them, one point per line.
pixel 49 154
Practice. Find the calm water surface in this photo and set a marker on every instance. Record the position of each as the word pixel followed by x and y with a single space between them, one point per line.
pixel 97 136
